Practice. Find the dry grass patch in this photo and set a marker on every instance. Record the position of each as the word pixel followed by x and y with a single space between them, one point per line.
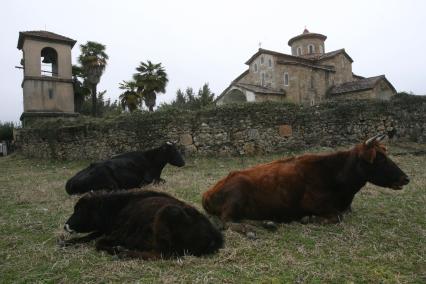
pixel 381 241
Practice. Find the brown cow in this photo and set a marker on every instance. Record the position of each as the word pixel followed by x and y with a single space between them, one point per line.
pixel 321 186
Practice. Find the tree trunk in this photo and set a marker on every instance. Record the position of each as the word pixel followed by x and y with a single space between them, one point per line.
pixel 94 100
pixel 150 100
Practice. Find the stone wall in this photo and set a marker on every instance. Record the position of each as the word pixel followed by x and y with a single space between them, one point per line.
pixel 251 128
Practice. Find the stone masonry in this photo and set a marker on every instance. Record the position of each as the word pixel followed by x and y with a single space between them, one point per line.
pixel 230 130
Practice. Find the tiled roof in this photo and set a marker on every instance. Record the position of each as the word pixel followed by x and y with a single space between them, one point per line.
pixel 241 75
pixel 44 35
pixel 357 76
pixel 307 34
pixel 331 54
pixel 358 85
pixel 253 88
pixel 311 59
pixel 311 65
pixel 259 89
pixel 279 55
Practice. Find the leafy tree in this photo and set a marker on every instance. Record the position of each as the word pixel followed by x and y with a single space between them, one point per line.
pixel 103 106
pixel 130 97
pixel 81 88
pixel 188 99
pixel 93 60
pixel 205 96
pixel 6 131
pixel 151 80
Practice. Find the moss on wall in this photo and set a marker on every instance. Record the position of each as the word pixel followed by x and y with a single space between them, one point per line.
pixel 238 129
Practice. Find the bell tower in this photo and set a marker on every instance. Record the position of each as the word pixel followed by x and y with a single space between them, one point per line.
pixel 47 84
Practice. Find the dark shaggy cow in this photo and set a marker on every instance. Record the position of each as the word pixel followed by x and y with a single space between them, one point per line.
pixel 144 224
pixel 128 170
pixel 321 186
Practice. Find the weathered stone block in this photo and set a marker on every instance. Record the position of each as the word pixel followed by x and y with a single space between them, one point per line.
pixel 285 130
pixel 190 149
pixel 249 148
pixel 185 139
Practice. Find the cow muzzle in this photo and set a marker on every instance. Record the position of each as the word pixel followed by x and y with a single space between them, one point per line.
pixel 68 229
pixel 404 181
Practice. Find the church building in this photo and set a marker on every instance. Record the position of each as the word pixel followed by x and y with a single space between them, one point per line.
pixel 308 76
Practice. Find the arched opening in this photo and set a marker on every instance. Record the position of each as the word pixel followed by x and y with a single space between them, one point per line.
pixel 299 51
pixel 235 96
pixel 286 79
pixel 49 62
pixel 311 48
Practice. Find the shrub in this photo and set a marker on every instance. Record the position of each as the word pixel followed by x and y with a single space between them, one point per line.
pixel 6 131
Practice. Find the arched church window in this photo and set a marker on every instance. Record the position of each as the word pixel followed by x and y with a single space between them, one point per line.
pixel 299 51
pixel 49 62
pixel 286 79
pixel 311 48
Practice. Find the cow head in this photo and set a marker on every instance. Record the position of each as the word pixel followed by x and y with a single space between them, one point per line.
pixel 174 157
pixel 86 217
pixel 378 168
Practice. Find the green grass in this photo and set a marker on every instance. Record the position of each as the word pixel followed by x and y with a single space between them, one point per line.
pixel 383 240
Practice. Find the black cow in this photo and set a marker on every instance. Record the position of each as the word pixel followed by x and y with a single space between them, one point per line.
pixel 142 224
pixel 128 170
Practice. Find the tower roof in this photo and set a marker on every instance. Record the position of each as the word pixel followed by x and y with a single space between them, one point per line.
pixel 44 35
pixel 306 34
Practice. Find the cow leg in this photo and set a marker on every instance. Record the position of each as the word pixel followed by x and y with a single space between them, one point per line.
pixel 80 240
pixel 247 230
pixel 266 224
pixel 110 245
pixel 230 217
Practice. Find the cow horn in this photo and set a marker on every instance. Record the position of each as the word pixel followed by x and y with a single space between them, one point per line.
pixel 378 137
pixel 381 137
pixel 169 143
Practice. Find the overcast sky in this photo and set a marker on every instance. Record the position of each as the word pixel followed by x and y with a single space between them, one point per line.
pixel 209 41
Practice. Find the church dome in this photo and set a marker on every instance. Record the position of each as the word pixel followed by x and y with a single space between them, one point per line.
pixel 307 43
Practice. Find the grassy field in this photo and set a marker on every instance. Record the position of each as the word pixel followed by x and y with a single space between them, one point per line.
pixel 383 240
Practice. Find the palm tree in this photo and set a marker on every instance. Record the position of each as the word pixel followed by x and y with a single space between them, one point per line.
pixel 130 97
pixel 93 60
pixel 81 90
pixel 150 79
